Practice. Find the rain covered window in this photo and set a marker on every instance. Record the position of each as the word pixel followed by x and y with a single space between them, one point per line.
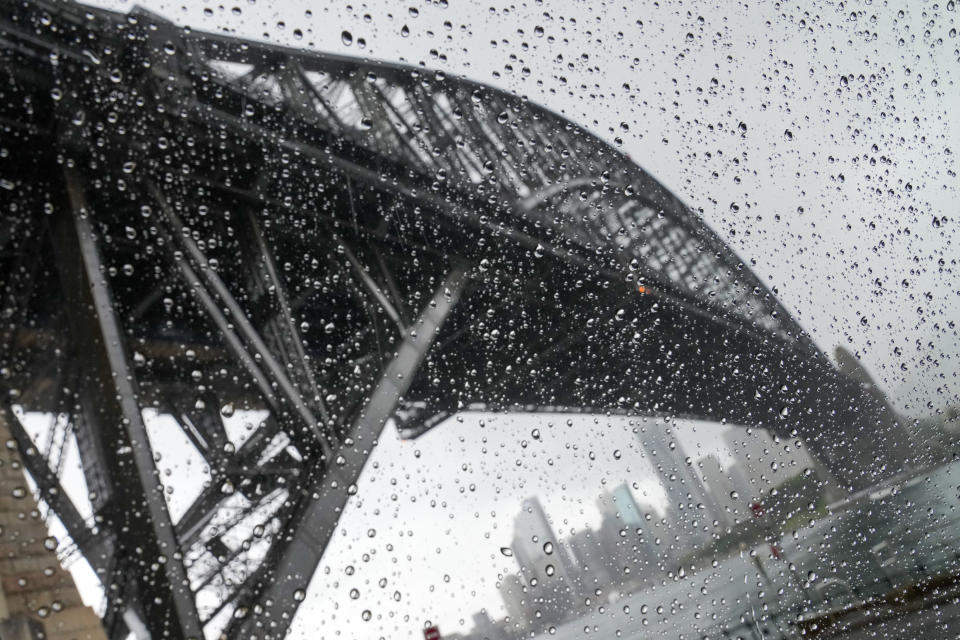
pixel 478 321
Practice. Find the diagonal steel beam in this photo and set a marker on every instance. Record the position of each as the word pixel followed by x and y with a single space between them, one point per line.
pixel 283 319
pixel 372 287
pixel 288 390
pixel 289 568
pixel 141 520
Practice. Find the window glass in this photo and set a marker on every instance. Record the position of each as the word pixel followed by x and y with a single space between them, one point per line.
pixel 472 320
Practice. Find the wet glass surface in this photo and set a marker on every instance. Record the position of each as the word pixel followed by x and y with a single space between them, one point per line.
pixel 478 321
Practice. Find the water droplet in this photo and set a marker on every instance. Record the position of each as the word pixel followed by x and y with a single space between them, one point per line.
pixel 227 410
pixel 346 38
pixel 549 570
pixel 299 595
pixel 548 548
pixel 50 543
pixel 405 31
pixel 507 551
pixel 354 594
pixel 366 615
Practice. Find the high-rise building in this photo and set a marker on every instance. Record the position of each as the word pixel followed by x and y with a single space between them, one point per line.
pixel 754 451
pixel 626 535
pixel 729 488
pixel 764 463
pixel 691 508
pixel 513 592
pixel 486 629
pixel 590 561
pixel 543 566
pixel 533 540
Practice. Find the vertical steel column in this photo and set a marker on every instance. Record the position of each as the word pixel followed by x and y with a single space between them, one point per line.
pixel 292 566
pixel 138 510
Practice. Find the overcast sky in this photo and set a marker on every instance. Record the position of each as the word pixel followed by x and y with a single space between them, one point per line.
pixel 842 193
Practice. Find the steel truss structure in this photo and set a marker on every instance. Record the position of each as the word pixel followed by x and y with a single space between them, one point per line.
pixel 198 226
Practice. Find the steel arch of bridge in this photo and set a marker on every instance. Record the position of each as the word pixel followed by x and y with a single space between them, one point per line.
pixel 205 225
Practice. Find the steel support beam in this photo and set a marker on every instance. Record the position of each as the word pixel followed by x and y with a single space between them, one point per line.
pixel 138 513
pixel 269 611
pixel 283 320
pixel 204 275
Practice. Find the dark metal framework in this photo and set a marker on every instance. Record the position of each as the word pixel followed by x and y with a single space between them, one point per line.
pixel 199 225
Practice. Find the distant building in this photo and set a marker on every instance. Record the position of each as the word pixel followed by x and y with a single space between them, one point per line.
pixel 752 449
pixel 625 534
pixel 513 592
pixel 762 463
pixel 729 487
pixel 590 561
pixel 626 506
pixel 691 507
pixel 542 562
pixel 486 629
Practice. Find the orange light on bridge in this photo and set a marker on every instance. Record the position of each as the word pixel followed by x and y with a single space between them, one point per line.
pixel 642 289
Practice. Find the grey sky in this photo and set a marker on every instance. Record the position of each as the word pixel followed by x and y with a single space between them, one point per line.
pixel 831 193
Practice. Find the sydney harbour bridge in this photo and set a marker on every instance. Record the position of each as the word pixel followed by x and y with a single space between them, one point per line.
pixel 199 225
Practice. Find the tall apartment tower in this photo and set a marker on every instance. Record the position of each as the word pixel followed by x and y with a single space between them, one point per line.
pixel 729 487
pixel 692 509
pixel 541 558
